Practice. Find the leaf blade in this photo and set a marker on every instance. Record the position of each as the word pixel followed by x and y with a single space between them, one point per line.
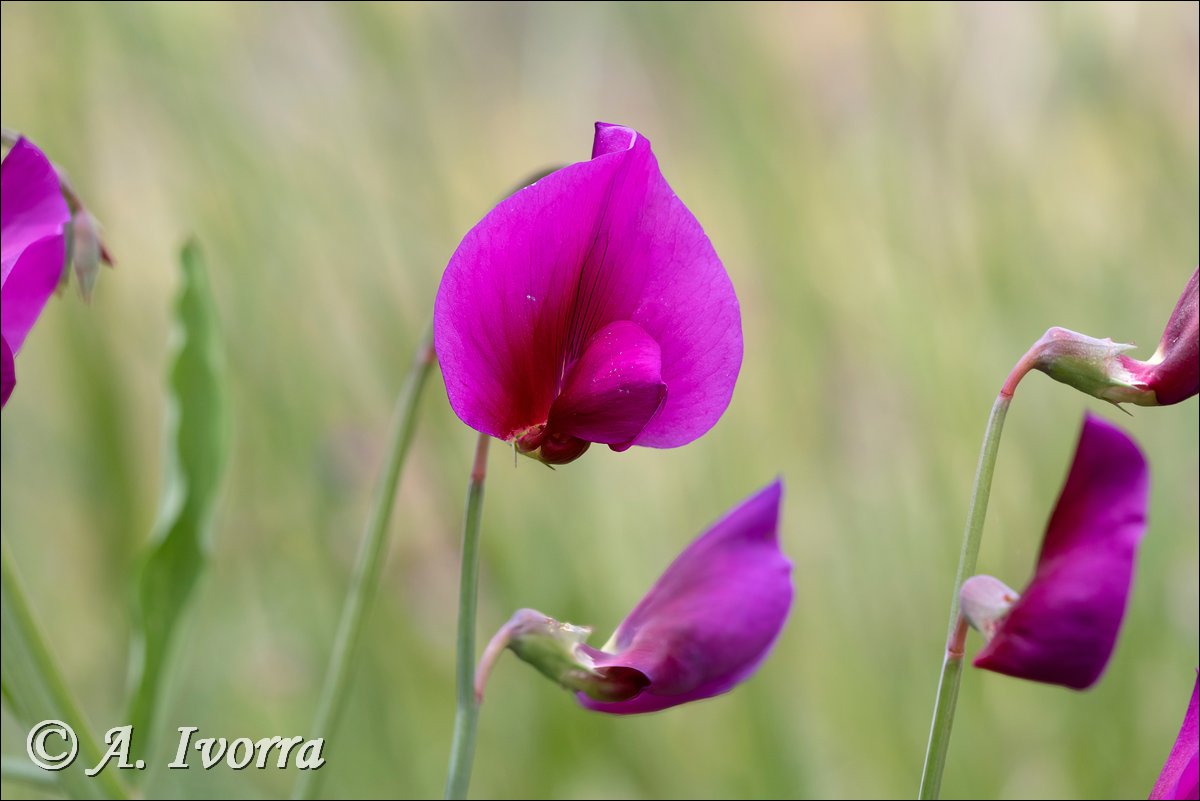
pixel 196 453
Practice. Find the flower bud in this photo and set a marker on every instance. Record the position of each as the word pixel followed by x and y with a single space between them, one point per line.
pixel 985 603
pixel 557 651
pixel 1093 366
pixel 86 251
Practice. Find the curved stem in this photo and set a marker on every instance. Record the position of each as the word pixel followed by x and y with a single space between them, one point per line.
pixel 365 583
pixel 466 716
pixel 34 690
pixel 947 695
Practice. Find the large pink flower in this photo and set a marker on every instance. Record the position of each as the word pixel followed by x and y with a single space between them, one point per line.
pixel 589 307
pixel 32 246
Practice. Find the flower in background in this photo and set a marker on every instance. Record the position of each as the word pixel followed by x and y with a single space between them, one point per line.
pixel 1180 777
pixel 1100 367
pixel 32 216
pixel 1063 628
pixel 704 627
pixel 589 307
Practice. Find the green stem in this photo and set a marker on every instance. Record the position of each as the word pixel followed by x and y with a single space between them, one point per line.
pixel 365 582
pixel 466 716
pixel 947 695
pixel 20 769
pixel 35 690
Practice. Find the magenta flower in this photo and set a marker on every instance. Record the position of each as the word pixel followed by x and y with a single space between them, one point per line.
pixel 1100 367
pixel 589 307
pixel 33 249
pixel 1180 777
pixel 704 627
pixel 1063 628
pixel 1173 373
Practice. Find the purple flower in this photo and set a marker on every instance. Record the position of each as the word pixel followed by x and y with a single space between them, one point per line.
pixel 589 307
pixel 32 216
pixel 1173 373
pixel 1180 777
pixel 1100 367
pixel 1062 629
pixel 705 625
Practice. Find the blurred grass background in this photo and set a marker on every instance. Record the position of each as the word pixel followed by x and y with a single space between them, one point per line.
pixel 905 196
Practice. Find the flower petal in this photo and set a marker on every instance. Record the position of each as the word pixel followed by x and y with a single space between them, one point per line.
pixel 614 389
pixel 611 138
pixel 1063 628
pixel 8 372
pixel 713 615
pixel 594 243
pixel 29 285
pixel 31 204
pixel 1180 777
pixel 1174 370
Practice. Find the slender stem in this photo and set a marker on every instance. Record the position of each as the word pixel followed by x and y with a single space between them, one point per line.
pixel 20 769
pixel 947 695
pixel 466 716
pixel 35 690
pixel 365 582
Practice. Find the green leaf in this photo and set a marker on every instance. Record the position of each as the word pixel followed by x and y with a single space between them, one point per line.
pixel 197 446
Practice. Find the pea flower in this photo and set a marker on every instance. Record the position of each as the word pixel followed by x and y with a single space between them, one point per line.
pixel 1180 777
pixel 703 628
pixel 589 307
pixel 1100 367
pixel 1063 628
pixel 33 249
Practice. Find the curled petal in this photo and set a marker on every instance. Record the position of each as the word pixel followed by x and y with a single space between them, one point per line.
pixel 1063 628
pixel 711 618
pixel 614 389
pixel 590 245
pixel 1173 373
pixel 1180 778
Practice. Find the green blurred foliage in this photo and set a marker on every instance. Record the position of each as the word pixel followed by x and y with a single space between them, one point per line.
pixel 906 197
pixel 196 445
